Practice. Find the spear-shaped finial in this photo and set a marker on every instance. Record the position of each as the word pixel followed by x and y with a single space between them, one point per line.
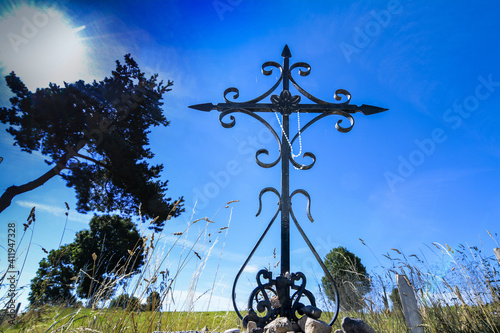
pixel 204 107
pixel 370 109
pixel 286 52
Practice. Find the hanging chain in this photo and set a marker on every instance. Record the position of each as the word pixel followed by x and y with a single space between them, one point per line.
pixel 288 140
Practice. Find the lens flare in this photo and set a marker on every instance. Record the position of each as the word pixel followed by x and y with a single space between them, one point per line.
pixel 40 45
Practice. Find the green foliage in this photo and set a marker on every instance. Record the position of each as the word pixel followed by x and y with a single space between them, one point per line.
pixel 115 319
pixel 112 247
pixel 132 303
pixel 96 137
pixel 54 280
pixel 396 300
pixel 153 302
pixel 125 302
pixel 350 277
pixel 101 257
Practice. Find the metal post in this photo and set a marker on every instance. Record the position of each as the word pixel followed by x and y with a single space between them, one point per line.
pixel 285 186
pixel 285 104
pixel 283 288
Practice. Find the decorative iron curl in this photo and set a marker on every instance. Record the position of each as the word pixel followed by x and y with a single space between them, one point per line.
pixel 304 166
pixel 306 72
pixel 308 208
pixel 231 90
pixel 267 189
pixel 342 92
pixel 338 127
pixel 303 65
pixel 266 72
pixel 271 64
pixel 266 305
pixel 349 117
pixel 301 291
pixel 262 305
pixel 261 120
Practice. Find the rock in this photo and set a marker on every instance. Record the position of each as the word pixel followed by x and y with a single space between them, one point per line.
pixel 353 325
pixel 302 323
pixel 311 311
pixel 251 325
pixel 232 330
pixel 275 302
pixel 279 325
pixel 295 327
pixel 311 325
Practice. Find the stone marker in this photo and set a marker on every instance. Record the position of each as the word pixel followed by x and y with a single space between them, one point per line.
pixel 410 305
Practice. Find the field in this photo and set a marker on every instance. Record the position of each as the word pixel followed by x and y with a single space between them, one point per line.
pixel 60 319
pixel 461 296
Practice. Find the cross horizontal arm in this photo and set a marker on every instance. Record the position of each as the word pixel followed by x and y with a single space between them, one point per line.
pixel 305 108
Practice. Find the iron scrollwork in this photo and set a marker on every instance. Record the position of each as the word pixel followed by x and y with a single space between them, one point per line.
pixel 264 299
pixel 271 297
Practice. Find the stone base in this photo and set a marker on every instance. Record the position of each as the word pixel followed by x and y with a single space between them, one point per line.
pixel 353 325
pixel 307 324
pixel 311 325
pixel 284 325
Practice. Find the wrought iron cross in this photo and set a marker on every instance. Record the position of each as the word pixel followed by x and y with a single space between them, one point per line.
pixel 282 304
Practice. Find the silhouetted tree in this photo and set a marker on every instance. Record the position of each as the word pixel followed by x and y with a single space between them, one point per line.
pixel 112 248
pixel 95 137
pixel 124 301
pixel 350 277
pixel 54 280
pixel 153 302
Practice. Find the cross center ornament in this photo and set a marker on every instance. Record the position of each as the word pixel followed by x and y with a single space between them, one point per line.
pixel 285 103
pixel 286 295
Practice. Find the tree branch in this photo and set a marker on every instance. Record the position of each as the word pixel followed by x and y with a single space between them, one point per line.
pixel 88 158
pixel 12 191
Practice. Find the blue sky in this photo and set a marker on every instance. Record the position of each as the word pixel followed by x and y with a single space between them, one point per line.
pixel 425 171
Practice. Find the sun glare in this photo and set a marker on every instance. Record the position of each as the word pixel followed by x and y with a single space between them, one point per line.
pixel 41 46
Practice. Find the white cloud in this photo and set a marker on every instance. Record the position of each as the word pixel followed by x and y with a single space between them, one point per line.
pixel 54 210
pixel 251 269
pixel 186 300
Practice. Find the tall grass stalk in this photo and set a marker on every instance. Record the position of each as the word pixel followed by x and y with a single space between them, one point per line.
pixel 458 290
pixel 160 272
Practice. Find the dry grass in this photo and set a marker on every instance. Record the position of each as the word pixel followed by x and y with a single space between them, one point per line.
pixel 160 273
pixel 458 290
